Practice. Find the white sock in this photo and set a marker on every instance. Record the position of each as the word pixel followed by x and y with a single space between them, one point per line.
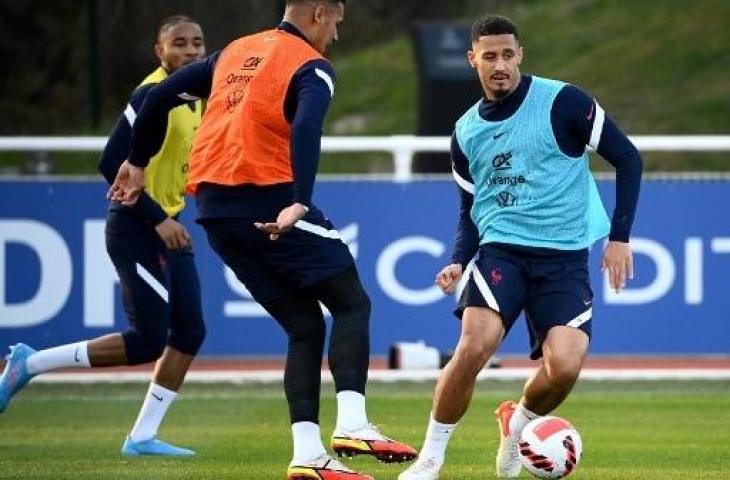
pixel 351 414
pixel 520 418
pixel 154 407
pixel 71 355
pixel 437 438
pixel 307 442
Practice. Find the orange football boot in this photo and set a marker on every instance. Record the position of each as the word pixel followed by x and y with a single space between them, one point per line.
pixel 324 468
pixel 369 441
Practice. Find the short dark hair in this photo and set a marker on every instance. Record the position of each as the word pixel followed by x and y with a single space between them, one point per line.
pixel 494 25
pixel 173 21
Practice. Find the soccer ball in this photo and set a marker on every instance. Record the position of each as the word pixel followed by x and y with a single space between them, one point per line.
pixel 550 447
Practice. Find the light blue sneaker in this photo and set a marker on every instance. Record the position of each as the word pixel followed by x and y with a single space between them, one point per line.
pixel 153 446
pixel 15 375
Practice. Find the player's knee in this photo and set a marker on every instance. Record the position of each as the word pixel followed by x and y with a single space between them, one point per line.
pixel 356 305
pixel 301 318
pixel 188 340
pixel 351 321
pixel 144 347
pixel 363 306
pixel 151 348
pixel 473 352
pixel 197 337
pixel 357 313
pixel 347 300
pixel 307 330
pixel 563 369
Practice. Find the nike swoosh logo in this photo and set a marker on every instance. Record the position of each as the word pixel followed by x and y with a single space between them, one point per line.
pixel 76 355
pixel 498 135
pixel 159 399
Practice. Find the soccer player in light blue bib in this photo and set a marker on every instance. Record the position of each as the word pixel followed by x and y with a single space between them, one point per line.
pixel 530 209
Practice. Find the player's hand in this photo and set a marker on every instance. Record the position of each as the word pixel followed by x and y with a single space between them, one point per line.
pixel 448 278
pixel 173 234
pixel 128 184
pixel 619 262
pixel 284 222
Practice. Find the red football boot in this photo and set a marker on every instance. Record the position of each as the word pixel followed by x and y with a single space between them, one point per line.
pixel 369 441
pixel 324 468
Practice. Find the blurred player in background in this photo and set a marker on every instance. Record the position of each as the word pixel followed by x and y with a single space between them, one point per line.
pixel 252 170
pixel 531 209
pixel 153 256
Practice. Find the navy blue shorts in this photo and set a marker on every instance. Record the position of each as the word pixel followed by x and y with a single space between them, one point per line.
pixel 160 287
pixel 310 252
pixel 551 286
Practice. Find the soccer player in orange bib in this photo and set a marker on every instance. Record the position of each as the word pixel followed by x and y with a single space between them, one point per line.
pixel 252 171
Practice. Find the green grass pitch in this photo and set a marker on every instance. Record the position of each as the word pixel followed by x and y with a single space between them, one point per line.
pixel 653 430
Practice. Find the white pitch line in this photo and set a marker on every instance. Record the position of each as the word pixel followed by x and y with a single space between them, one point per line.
pixel 277 376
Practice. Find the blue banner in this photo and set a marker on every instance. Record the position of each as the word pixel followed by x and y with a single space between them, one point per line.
pixel 57 284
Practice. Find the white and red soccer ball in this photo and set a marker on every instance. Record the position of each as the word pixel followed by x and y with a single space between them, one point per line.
pixel 550 447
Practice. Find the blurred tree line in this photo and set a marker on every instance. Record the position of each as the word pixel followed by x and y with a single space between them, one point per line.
pixel 70 65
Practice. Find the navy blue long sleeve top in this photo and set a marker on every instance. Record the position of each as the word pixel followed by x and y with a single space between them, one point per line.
pixel 573 116
pixel 305 108
pixel 117 150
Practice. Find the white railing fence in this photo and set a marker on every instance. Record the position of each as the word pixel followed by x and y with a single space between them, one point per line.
pixel 401 147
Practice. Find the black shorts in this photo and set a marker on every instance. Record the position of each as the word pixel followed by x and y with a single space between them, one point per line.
pixel 160 287
pixel 551 286
pixel 310 252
